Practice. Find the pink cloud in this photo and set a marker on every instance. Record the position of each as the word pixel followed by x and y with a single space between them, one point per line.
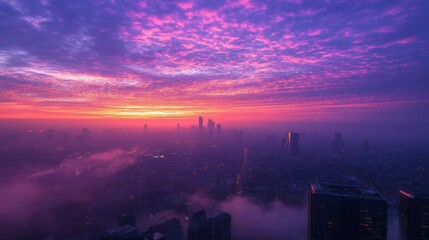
pixel 386 29
pixel 314 32
pixel 406 40
pixel 185 5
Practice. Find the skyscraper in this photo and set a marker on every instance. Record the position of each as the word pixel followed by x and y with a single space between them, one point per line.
pixel 219 127
pixel 338 144
pixel 210 127
pixel 220 227
pixel 346 212
pixel 293 144
pixel 169 230
pixel 198 228
pixel 200 124
pixel 214 228
pixel 414 215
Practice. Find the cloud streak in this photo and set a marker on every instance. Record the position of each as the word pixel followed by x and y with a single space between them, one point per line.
pixel 209 56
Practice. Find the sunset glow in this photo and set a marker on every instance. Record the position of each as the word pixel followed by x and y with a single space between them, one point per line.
pixel 285 60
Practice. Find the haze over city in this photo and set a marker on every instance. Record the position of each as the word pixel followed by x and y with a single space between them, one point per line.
pixel 214 119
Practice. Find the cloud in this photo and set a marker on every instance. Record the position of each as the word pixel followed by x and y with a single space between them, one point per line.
pixel 73 179
pixel 98 164
pixel 121 53
pixel 251 220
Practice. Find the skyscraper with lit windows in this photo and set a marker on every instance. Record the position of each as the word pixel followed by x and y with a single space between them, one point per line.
pixel 339 212
pixel 414 215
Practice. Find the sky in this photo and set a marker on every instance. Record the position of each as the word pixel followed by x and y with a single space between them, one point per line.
pixel 297 60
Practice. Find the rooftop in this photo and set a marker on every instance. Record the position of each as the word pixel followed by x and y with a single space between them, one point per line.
pixel 347 191
pixel 415 194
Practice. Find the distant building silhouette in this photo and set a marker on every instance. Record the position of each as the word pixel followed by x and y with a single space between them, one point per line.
pixel 414 215
pixel 126 232
pixel 218 127
pixel 338 212
pixel 214 228
pixel 200 124
pixel 293 143
pixel 210 127
pixel 338 144
pixel 168 230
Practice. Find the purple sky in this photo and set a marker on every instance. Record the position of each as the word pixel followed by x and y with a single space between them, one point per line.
pixel 289 59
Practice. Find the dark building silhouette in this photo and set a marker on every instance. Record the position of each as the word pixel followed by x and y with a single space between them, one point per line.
pixel 414 215
pixel 200 124
pixel 219 127
pixel 214 228
pixel 126 230
pixel 220 227
pixel 121 233
pixel 168 230
pixel 293 143
pixel 338 144
pixel 127 219
pixel 198 228
pixel 210 127
pixel 339 212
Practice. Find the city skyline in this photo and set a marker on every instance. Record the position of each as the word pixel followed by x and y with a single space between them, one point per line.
pixel 291 60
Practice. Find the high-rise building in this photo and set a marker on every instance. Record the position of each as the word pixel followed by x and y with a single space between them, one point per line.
pixel 125 232
pixel 86 134
pixel 214 228
pixel 198 228
pixel 200 124
pixel 210 127
pixel 219 127
pixel 168 230
pixel 220 227
pixel 414 215
pixel 346 212
pixel 293 143
pixel 338 144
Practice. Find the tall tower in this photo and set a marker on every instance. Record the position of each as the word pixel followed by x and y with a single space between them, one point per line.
pixel 169 230
pixel 346 212
pixel 293 143
pixel 200 123
pixel 338 144
pixel 220 227
pixel 414 215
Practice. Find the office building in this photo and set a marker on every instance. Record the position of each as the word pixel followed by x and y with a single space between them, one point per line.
pixel 293 144
pixel 339 212
pixel 200 124
pixel 198 228
pixel 338 144
pixel 220 227
pixel 168 230
pixel 414 215
pixel 214 228
pixel 219 127
pixel 126 232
